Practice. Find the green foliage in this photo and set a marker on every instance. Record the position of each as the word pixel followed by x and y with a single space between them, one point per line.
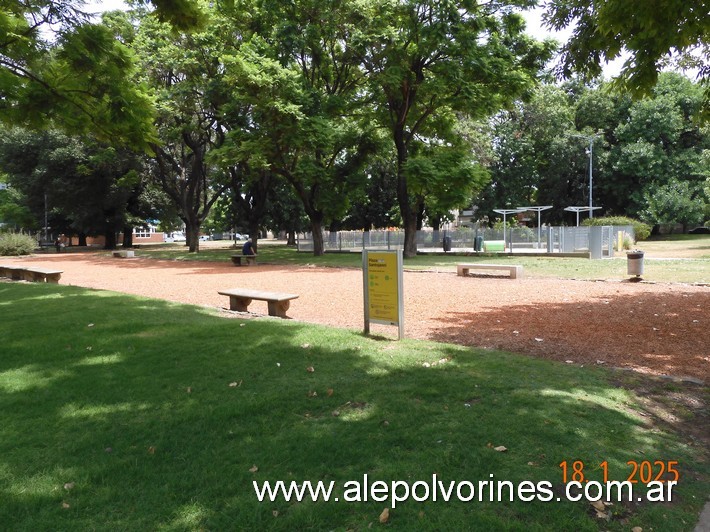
pixel 650 31
pixel 641 230
pixel 675 203
pixel 542 148
pixel 426 61
pixel 16 244
pixel 85 187
pixel 14 211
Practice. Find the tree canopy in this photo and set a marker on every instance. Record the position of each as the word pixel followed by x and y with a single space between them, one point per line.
pixel 654 33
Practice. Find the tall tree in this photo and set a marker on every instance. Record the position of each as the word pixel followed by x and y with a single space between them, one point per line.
pixel 185 70
pixel 426 59
pixel 301 75
pixel 83 186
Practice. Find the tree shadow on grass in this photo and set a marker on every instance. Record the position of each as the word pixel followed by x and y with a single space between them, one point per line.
pixel 119 412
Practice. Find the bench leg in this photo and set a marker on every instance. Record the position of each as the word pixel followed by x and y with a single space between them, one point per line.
pixel 278 308
pixel 54 278
pixel 237 261
pixel 251 260
pixel 239 303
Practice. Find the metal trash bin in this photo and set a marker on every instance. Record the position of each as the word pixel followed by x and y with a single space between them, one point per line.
pixel 634 263
pixel 447 243
pixel 478 243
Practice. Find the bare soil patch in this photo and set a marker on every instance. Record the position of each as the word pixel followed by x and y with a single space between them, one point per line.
pixel 657 329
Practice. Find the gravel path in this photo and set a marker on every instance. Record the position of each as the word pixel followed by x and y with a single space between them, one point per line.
pixel 651 328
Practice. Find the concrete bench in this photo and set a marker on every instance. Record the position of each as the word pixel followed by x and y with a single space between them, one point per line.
pixel 26 273
pixel 514 271
pixel 248 259
pixel 39 275
pixel 123 254
pixel 240 298
pixel 12 272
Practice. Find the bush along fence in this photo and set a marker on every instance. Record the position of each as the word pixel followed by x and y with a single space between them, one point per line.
pixel 597 242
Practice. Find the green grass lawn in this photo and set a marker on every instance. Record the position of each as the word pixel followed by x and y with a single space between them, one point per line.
pixel 125 413
pixel 696 270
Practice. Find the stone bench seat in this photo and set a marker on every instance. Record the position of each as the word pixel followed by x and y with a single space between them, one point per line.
pixel 515 271
pixel 240 298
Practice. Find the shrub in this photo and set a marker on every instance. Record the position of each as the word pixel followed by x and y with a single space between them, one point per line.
pixel 16 244
pixel 641 230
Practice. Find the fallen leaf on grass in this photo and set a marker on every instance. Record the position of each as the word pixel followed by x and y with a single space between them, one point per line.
pixel 310 369
pixel 275 513
pixel 637 529
pixel 385 515
pixel 65 505
pixel 335 413
pixel 598 506
pixel 189 389
pixel 151 450
pixel 253 469
pixel 330 392
pixel 306 346
pixel 500 449
pixel 90 325
pixel 235 384
pixel 312 393
pixel 68 486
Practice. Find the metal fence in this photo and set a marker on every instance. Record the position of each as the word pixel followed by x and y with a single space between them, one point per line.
pixel 516 240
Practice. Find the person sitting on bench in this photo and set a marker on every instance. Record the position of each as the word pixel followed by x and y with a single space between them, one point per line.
pixel 248 249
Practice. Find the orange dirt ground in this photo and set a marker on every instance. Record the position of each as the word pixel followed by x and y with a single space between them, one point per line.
pixel 661 329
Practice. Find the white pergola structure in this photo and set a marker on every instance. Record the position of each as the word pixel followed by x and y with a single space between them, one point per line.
pixel 505 212
pixel 538 210
pixel 581 209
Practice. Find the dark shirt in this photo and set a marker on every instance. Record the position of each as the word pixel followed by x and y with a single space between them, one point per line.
pixel 248 249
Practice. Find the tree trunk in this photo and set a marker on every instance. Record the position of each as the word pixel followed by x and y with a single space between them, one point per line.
pixel 291 237
pixel 410 236
pixel 110 238
pixel 317 230
pixel 406 209
pixel 127 236
pixel 192 235
pixel 254 234
pixel 82 240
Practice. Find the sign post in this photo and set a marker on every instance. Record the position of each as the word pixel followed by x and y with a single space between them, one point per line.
pixel 382 284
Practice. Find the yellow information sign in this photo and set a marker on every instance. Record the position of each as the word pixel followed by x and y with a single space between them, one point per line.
pixel 383 288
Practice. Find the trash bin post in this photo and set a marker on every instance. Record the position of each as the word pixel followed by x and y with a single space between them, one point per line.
pixel 634 264
pixel 447 243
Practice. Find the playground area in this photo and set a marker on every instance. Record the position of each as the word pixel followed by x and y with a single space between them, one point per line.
pixel 659 329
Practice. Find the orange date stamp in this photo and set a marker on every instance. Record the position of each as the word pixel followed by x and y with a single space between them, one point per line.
pixel 645 471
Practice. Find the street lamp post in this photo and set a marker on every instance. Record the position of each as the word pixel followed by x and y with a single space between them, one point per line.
pixel 590 152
